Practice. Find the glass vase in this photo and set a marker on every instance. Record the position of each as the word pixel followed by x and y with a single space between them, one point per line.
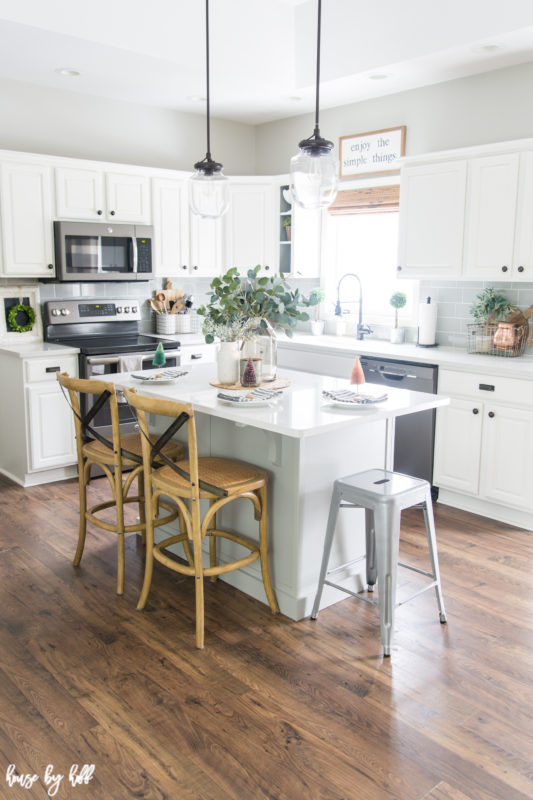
pixel 263 344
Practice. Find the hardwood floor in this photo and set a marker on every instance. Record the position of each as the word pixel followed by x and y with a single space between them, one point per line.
pixel 271 708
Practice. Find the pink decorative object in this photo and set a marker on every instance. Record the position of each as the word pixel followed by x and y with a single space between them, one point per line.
pixel 249 377
pixel 357 376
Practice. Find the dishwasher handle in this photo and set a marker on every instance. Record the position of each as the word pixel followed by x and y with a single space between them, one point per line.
pixel 396 376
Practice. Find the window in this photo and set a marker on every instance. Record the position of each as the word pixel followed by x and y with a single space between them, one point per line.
pixel 362 237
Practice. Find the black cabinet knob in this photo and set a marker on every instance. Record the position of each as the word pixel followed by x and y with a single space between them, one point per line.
pixel 184 266
pixel 399 269
pixel 491 414
pixel 267 268
pixel 50 266
pixel 504 269
pixel 112 213
pixel 475 411
pixel 99 212
pixel 195 267
pixel 520 269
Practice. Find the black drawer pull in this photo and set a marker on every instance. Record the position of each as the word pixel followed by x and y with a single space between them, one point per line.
pixel 52 369
pixel 475 411
pixel 487 387
pixel 491 414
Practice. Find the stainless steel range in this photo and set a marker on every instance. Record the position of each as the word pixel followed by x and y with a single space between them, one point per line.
pixel 107 335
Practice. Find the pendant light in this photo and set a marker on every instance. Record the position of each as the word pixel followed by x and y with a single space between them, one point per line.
pixel 208 187
pixel 314 170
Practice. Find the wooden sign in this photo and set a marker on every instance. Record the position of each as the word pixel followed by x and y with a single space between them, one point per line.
pixel 373 153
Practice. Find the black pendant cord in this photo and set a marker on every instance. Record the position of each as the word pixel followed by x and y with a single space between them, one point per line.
pixel 317 131
pixel 208 154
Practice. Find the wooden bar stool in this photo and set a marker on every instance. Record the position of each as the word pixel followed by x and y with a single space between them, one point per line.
pixel 218 480
pixel 383 495
pixel 111 456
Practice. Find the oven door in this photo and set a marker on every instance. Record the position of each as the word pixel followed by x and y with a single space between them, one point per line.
pixel 97 366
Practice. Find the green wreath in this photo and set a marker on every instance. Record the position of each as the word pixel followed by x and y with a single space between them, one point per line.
pixel 14 311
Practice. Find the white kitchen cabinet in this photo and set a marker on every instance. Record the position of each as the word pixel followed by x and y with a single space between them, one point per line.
pixel 94 194
pixel 26 206
pixel 36 421
pixel 491 216
pixel 171 226
pixel 250 231
pixel 483 442
pixel 432 213
pixel 206 247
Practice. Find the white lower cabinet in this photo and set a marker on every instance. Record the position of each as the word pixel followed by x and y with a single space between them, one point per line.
pixel 36 422
pixel 483 443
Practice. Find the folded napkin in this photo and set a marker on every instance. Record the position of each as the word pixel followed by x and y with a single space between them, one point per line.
pixel 347 396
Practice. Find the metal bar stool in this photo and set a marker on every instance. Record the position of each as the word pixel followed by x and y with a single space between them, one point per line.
pixel 383 495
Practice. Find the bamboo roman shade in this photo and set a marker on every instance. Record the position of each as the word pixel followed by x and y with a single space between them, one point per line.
pixel 366 201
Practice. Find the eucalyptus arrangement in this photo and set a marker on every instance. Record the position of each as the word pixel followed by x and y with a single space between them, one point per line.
pixel 490 306
pixel 239 305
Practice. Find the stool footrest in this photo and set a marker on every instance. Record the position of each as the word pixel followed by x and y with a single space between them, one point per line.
pixel 420 591
pixel 416 569
pixel 345 566
pixel 350 592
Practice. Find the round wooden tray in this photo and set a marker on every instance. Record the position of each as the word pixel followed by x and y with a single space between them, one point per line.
pixel 278 383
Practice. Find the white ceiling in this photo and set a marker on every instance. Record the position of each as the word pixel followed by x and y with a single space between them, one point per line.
pixel 262 51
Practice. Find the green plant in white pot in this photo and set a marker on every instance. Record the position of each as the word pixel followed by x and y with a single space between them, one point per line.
pixel 397 301
pixel 317 296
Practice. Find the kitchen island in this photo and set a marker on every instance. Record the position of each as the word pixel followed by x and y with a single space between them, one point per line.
pixel 304 443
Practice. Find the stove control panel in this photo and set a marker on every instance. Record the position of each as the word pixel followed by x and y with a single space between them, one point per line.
pixel 84 310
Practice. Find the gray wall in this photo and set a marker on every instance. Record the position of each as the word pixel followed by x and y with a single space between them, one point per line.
pixel 493 107
pixel 58 122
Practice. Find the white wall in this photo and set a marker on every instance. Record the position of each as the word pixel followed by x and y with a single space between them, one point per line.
pixel 65 123
pixel 493 107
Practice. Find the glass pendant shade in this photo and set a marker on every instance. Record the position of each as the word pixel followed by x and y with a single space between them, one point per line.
pixel 208 193
pixel 313 179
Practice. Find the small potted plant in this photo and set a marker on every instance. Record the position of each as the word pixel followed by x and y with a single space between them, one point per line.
pixel 489 308
pixel 287 224
pixel 397 301
pixel 317 296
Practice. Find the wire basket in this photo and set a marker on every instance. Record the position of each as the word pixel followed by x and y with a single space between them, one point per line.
pixel 497 338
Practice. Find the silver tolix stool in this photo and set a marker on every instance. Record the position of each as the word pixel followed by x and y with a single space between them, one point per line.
pixel 383 495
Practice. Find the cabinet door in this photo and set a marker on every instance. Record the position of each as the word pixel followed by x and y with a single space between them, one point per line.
pixel 128 198
pixel 250 234
pixel 432 208
pixel 27 220
pixel 79 194
pixel 523 258
pixel 51 427
pixel 206 246
pixel 491 216
pixel 458 446
pixel 306 242
pixel 170 212
pixel 506 475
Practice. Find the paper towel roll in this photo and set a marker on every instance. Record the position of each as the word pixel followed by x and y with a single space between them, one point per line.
pixel 427 322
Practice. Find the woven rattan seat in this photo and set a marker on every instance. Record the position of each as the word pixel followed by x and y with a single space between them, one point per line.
pixel 217 480
pixel 111 460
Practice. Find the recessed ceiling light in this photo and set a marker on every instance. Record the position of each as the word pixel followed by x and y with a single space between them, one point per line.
pixel 294 98
pixel 68 71
pixel 196 98
pixel 378 76
pixel 489 47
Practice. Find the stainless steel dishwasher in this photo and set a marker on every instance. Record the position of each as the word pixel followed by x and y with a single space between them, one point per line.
pixel 415 433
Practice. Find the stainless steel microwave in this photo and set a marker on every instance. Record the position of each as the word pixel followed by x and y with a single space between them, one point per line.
pixel 100 251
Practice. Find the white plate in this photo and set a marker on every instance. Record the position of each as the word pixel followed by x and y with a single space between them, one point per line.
pixel 248 403
pixel 154 379
pixel 352 405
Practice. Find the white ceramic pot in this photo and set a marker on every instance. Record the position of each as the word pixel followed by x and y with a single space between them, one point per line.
pixel 317 327
pixel 397 335
pixel 165 323
pixel 228 356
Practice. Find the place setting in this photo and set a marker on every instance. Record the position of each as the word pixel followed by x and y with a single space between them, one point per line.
pixel 159 376
pixel 348 399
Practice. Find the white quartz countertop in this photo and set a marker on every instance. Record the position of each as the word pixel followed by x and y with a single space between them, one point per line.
pixel 444 357
pixel 36 349
pixel 301 411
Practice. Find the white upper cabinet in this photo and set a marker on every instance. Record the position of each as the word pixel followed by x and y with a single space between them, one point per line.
pixel 206 247
pixel 523 253
pixel 171 227
pixel 432 213
pixel 93 194
pixel 250 229
pixel 26 204
pixel 491 217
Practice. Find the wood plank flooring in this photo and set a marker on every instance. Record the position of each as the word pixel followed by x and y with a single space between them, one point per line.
pixel 271 708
